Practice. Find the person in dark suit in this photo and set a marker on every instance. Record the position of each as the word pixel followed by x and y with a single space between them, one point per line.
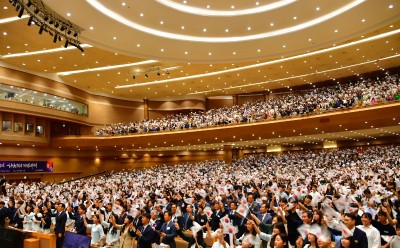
pixel 18 217
pixel 264 216
pixel 359 237
pixel 176 217
pixel 219 212
pixel 3 213
pixel 3 190
pixel 59 229
pixel 168 231
pixel 188 218
pixel 145 234
pixel 80 227
pixel 155 221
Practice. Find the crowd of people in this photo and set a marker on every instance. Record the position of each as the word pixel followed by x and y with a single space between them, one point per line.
pixel 362 93
pixel 335 198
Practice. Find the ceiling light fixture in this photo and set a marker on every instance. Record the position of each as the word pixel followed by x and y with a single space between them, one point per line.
pixel 209 12
pixel 40 52
pixel 65 73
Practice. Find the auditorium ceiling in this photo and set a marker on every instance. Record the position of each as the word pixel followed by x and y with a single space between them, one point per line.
pixel 169 49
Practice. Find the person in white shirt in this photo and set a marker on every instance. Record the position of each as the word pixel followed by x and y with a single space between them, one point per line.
pixel 96 230
pixel 220 243
pixel 28 218
pixel 373 235
pixel 37 216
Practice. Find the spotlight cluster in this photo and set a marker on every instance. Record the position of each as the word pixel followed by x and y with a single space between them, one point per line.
pixel 59 28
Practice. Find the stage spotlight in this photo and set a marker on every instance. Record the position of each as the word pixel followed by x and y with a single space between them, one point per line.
pixel 41 29
pixel 18 6
pixel 75 34
pixel 66 43
pixel 55 38
pixel 69 31
pixel 46 18
pixel 77 46
pixel 62 28
pixel 21 12
pixel 56 25
pixel 30 21
pixel 29 4
pixel 36 11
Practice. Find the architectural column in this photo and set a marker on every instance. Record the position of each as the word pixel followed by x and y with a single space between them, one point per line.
pixel 228 154
pixel 235 100
pixel 145 109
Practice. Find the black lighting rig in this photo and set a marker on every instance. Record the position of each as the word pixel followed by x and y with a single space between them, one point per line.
pixel 48 21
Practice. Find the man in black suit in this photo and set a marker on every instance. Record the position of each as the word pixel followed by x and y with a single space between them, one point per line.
pixel 264 216
pixel 359 236
pixel 145 234
pixel 59 229
pixel 155 221
pixel 219 212
pixel 18 217
pixel 168 231
pixel 3 213
pixel 80 227
pixel 188 218
pixel 3 190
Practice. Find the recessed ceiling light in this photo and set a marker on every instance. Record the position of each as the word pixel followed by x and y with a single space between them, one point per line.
pixel 5 7
pixel 233 6
pixel 141 14
pixel 114 38
pixel 248 28
pixel 162 50
pixel 391 6
pixel 186 52
pixel 183 27
pixel 68 14
pixel 161 22
pixel 294 17
pixel 271 24
pixel 91 28
pixel 123 4
pixel 138 45
pixel 336 30
pixel 4 33
pixel 226 30
pixel 208 6
pixel 204 30
pixel 257 3
pixel 210 53
pixel 317 9
pixel 363 20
